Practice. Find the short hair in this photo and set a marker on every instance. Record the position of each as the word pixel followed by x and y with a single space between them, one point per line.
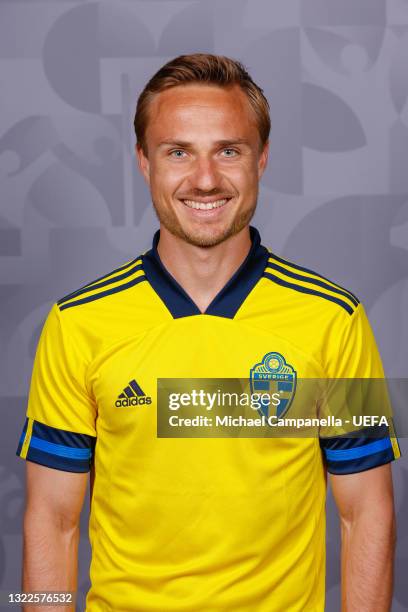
pixel 202 68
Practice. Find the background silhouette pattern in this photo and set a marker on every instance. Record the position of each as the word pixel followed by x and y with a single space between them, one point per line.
pixel 73 206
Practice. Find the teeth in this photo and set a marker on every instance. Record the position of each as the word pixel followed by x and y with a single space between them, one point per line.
pixel 204 205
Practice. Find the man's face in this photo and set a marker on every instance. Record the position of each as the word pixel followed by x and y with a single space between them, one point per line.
pixel 203 162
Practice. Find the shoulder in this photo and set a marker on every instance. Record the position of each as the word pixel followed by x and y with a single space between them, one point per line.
pixel 308 286
pixel 114 283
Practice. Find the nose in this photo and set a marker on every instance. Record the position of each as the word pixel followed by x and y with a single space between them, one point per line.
pixel 204 176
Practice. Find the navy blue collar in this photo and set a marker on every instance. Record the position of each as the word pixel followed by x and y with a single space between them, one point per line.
pixel 226 302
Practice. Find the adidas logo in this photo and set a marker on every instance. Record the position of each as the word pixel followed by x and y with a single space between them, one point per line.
pixel 132 395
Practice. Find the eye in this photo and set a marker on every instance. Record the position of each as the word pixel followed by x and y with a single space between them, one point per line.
pixel 177 153
pixel 228 152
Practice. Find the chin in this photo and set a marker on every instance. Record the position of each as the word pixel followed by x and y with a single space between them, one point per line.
pixel 209 236
pixel 205 240
pixel 205 234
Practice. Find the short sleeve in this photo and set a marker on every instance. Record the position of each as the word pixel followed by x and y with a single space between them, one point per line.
pixel 59 429
pixel 352 353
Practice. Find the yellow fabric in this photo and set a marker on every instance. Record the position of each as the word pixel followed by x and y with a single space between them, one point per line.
pixel 202 525
pixel 27 439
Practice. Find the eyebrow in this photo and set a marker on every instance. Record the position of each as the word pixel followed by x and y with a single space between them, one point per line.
pixel 220 143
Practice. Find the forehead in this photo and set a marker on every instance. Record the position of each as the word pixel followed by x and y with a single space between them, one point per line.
pixel 195 107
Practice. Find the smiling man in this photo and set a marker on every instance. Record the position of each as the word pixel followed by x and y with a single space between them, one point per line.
pixel 202 523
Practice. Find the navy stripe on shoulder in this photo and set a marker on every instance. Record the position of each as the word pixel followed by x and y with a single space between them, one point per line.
pixel 313 281
pixel 309 271
pixel 301 289
pixel 89 286
pixel 98 285
pixel 102 294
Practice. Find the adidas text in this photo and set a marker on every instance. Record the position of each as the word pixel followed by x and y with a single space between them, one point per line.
pixel 133 401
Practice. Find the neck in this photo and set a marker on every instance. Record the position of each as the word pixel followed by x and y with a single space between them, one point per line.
pixel 202 271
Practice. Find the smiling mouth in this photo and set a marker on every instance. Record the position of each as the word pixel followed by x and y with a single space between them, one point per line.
pixel 199 205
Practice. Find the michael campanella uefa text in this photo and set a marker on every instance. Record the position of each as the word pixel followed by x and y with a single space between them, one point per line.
pixel 207 400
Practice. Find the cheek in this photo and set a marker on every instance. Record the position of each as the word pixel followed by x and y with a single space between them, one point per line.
pixel 244 178
pixel 164 180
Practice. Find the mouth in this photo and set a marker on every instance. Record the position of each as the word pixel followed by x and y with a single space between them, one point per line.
pixel 206 205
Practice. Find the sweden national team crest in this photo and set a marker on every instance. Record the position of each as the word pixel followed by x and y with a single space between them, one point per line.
pixel 274 376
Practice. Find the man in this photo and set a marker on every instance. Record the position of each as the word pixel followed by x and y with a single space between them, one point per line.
pixel 211 523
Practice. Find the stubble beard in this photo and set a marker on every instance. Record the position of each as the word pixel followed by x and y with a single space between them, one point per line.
pixel 172 225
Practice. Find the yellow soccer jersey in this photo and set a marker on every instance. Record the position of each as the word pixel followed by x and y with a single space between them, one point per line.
pixel 197 524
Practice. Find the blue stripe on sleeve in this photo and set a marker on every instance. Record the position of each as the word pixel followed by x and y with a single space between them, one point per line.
pixel 358 451
pixel 361 464
pixel 58 448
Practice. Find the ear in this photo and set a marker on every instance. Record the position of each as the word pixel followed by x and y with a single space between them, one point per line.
pixel 263 159
pixel 143 163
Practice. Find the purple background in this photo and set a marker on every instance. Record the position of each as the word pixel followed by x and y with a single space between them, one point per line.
pixel 72 205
